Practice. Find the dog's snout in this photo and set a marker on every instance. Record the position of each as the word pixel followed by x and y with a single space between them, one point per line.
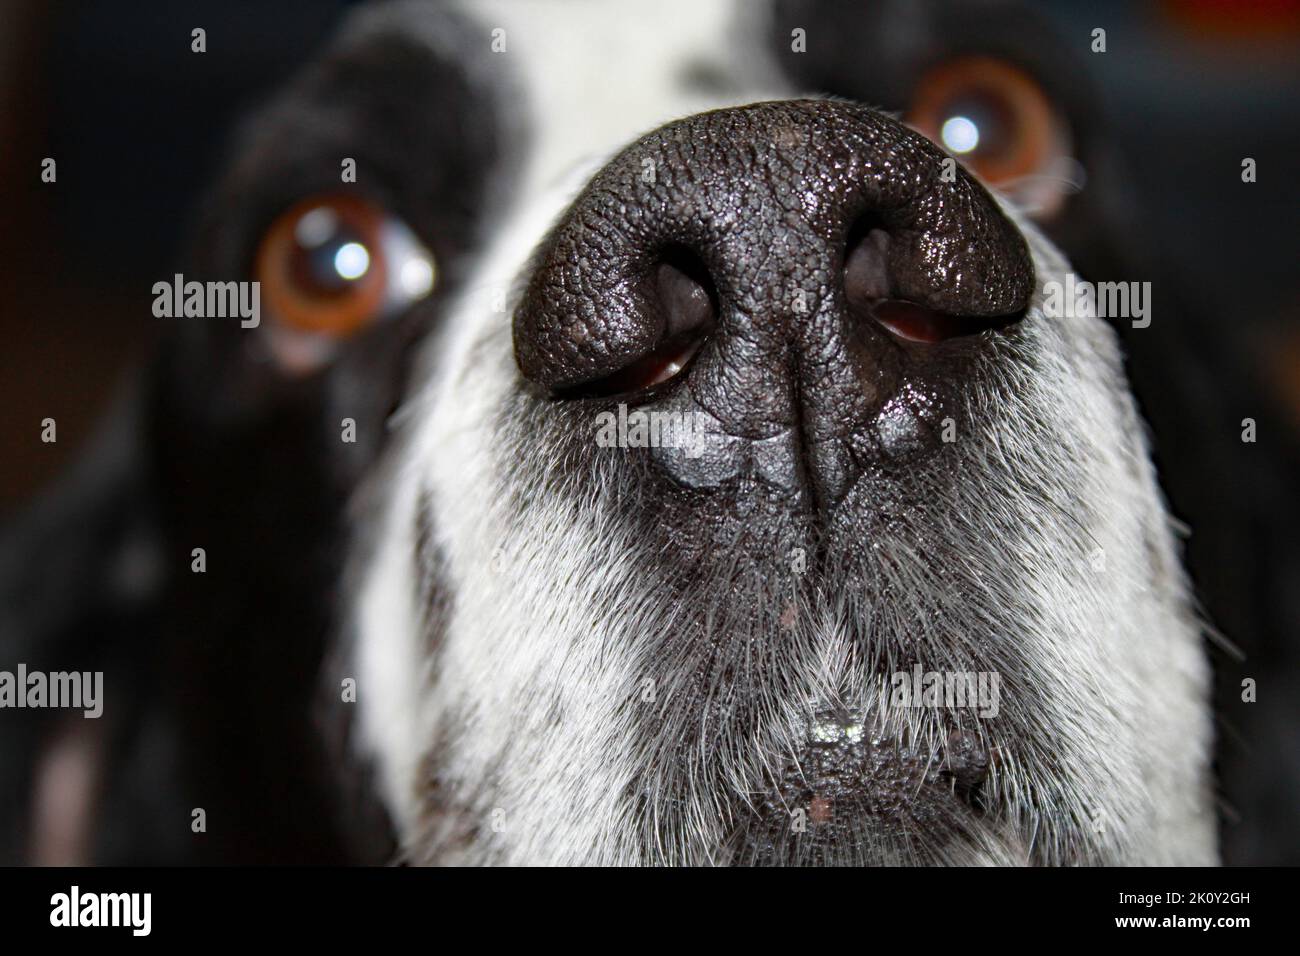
pixel 785 265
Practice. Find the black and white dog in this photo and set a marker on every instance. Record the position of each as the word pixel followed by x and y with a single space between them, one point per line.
pixel 904 461
pixel 573 654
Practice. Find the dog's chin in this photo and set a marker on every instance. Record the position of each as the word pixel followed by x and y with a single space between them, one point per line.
pixel 773 736
pixel 745 712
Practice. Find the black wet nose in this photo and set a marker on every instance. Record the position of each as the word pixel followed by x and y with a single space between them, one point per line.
pixel 782 270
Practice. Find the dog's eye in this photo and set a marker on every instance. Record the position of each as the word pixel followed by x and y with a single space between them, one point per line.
pixel 333 265
pixel 999 122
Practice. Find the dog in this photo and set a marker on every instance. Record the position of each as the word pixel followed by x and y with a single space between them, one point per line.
pixel 903 463
pixel 645 672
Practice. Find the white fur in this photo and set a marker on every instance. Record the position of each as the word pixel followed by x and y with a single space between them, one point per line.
pixel 598 74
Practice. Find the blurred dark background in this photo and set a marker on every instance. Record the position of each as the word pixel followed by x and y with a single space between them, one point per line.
pixel 137 124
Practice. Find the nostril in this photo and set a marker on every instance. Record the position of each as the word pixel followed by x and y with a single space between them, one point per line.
pixel 916 323
pixel 688 304
pixel 870 293
pixel 866 254
pixel 686 293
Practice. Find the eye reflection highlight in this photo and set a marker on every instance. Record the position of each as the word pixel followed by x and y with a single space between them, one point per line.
pixel 351 261
pixel 959 134
pixel 416 277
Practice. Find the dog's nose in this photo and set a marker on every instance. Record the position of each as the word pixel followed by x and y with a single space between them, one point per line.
pixel 783 270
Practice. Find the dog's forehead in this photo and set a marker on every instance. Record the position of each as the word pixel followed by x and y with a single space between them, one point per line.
pixel 592 76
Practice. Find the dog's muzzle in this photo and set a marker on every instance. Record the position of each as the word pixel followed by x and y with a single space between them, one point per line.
pixel 815 273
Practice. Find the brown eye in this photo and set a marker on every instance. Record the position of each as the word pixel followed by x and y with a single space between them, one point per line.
pixel 992 116
pixel 333 264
